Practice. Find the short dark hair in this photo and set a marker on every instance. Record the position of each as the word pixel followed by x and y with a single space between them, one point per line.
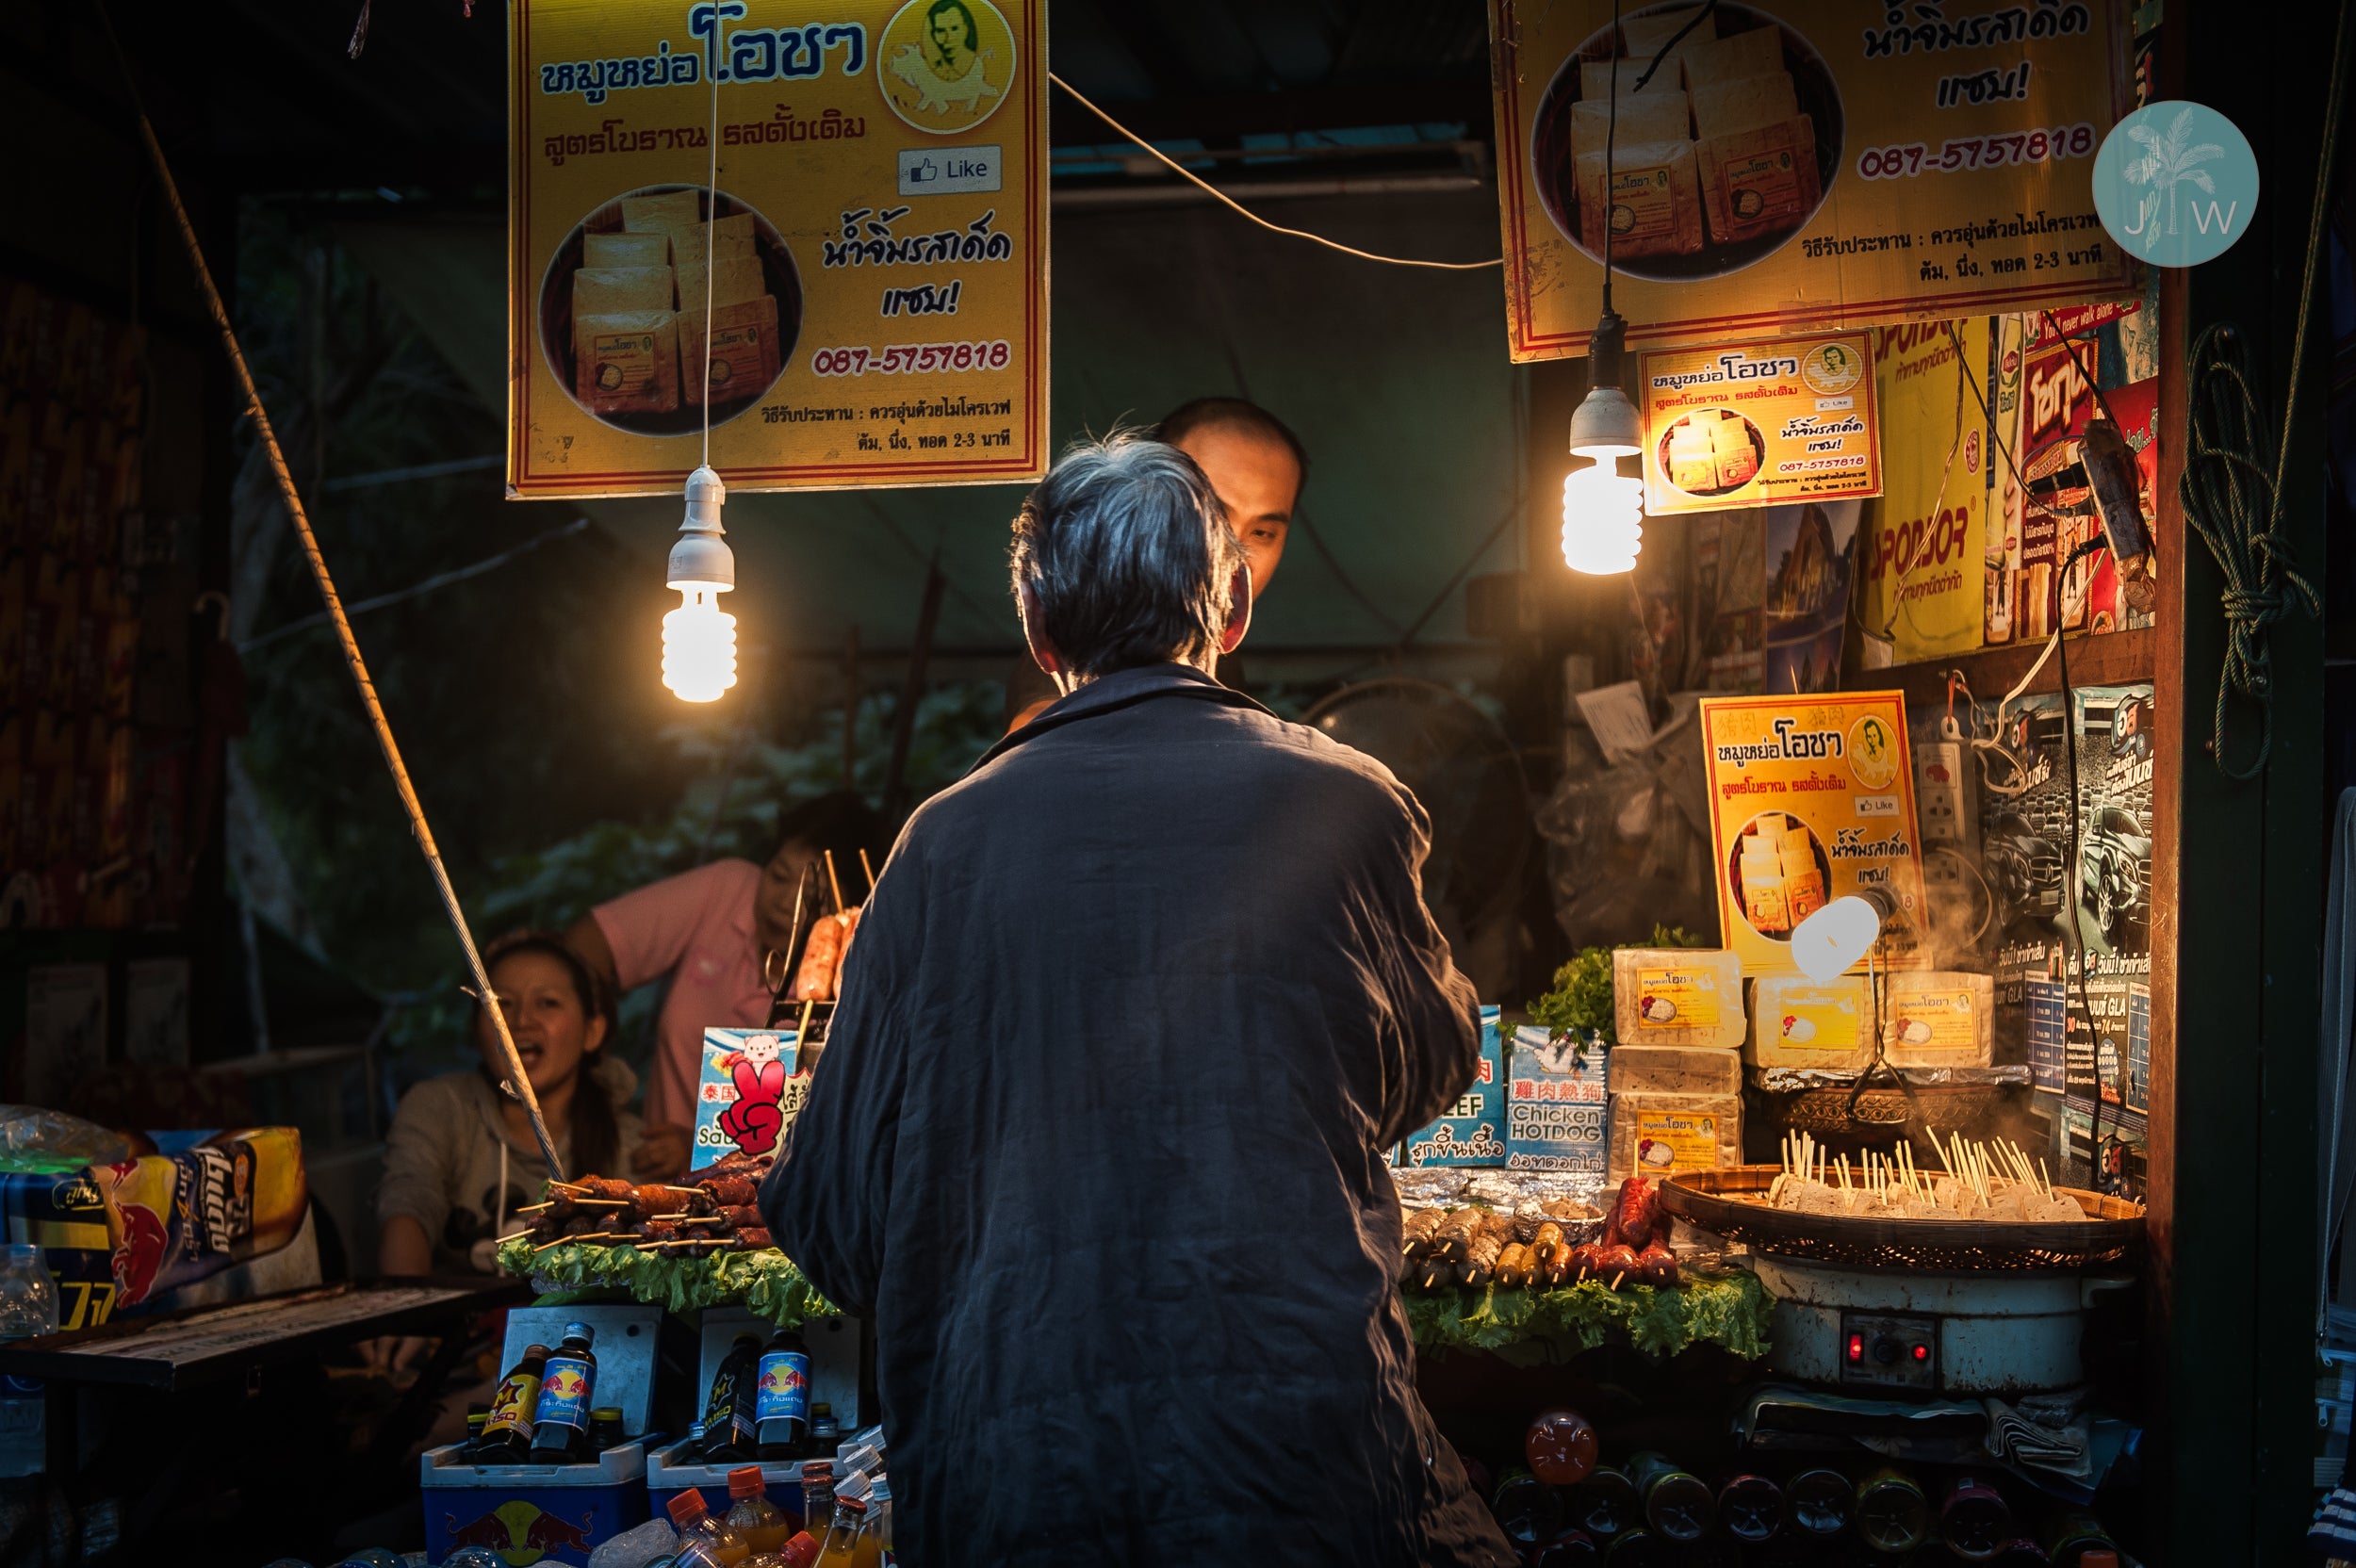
pixel 1026 684
pixel 1128 553
pixel 837 820
pixel 1233 413
pixel 597 1133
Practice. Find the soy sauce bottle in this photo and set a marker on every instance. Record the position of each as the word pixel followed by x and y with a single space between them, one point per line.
pixel 567 1391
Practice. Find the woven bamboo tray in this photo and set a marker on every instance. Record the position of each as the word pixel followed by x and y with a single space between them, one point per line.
pixel 1732 1204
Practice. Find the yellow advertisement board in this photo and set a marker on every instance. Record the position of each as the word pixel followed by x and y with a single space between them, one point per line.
pixel 1812 798
pixel 1923 580
pixel 862 302
pixel 1795 169
pixel 1758 424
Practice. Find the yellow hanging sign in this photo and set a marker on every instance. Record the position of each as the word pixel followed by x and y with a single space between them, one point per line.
pixel 862 302
pixel 1758 424
pixel 1924 576
pixel 1811 799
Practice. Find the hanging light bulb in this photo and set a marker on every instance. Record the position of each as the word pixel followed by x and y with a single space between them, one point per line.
pixel 1603 513
pixel 699 638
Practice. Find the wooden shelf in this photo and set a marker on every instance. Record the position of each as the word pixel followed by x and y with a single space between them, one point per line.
pixel 2114 659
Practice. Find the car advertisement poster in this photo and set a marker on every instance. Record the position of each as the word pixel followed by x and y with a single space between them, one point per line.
pixel 817 230
pixel 1812 798
pixel 1814 167
pixel 1808 567
pixel 2078 1012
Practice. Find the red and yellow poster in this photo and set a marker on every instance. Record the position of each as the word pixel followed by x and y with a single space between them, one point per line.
pixel 1812 798
pixel 1758 424
pixel 863 300
pixel 1815 166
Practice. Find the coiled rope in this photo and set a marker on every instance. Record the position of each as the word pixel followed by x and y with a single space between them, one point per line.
pixel 2230 498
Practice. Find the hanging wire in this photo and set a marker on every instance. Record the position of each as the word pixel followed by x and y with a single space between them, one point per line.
pixel 1222 197
pixel 519 1081
pixel 711 225
pixel 1610 155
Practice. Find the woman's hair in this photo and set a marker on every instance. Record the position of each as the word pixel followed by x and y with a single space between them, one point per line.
pixel 838 821
pixel 1128 554
pixel 597 1132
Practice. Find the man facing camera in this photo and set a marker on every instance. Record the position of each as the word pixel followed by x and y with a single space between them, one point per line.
pixel 1098 1139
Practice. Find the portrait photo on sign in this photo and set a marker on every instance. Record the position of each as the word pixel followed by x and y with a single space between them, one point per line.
pixel 1722 155
pixel 623 302
pixel 1778 873
pixel 945 66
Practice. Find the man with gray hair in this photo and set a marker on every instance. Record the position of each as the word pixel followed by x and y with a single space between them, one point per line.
pixel 1099 1137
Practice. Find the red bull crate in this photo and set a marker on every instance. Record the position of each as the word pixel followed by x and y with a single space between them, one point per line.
pixel 834 1368
pixel 554 1513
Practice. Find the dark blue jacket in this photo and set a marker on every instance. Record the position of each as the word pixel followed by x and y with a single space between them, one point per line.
pixel 1098 1140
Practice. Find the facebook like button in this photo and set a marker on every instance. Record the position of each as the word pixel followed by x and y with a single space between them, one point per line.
pixel 950 171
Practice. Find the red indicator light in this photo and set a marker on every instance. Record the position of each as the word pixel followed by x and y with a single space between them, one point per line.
pixel 1921 1352
pixel 1856 1346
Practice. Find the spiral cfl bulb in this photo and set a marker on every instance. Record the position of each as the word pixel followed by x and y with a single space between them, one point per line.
pixel 1603 519
pixel 699 646
pixel 699 637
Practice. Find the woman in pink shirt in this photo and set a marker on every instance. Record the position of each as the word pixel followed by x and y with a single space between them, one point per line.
pixel 707 931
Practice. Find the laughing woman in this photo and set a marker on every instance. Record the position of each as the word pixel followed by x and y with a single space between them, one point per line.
pixel 461 1158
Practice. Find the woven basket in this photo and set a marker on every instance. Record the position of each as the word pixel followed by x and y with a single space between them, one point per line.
pixel 1732 1204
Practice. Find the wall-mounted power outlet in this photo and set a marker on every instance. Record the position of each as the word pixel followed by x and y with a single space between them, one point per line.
pixel 1942 798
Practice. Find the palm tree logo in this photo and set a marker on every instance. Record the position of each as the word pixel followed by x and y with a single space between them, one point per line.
pixel 2168 160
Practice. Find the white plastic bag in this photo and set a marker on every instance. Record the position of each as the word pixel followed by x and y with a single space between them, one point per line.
pixel 646 1544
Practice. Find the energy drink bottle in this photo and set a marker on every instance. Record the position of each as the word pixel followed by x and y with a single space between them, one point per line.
pixel 507 1427
pixel 560 1432
pixel 782 1407
pixel 729 1407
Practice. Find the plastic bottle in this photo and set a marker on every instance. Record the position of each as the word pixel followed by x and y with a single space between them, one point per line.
pixel 718 1541
pixel 1604 1504
pixel 1974 1520
pixel 1571 1549
pixel 1891 1512
pixel 1560 1446
pixel 799 1552
pixel 2072 1541
pixel 818 1497
pixel 761 1522
pixel 1638 1549
pixel 729 1407
pixel 560 1433
pixel 1820 1503
pixel 640 1546
pixel 877 1532
pixel 1528 1510
pixel 605 1428
pixel 29 1308
pixel 1676 1504
pixel 474 1557
pixel 783 1406
pixel 841 1550
pixel 1751 1508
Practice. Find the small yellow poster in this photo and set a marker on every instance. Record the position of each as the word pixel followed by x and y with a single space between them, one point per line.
pixel 839 267
pixel 1924 576
pixel 1812 798
pixel 1803 167
pixel 1758 424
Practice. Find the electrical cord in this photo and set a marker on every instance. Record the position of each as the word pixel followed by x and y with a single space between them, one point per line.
pixel 1220 196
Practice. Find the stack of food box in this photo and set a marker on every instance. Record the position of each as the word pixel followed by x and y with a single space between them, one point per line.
pixel 643 290
pixel 1712 450
pixel 1668 1096
pixel 1715 142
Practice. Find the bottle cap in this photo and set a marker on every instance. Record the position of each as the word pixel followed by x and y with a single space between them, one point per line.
pixel 606 1412
pixel 817 1470
pixel 851 1506
pixel 532 1350
pixel 581 1331
pixel 881 1491
pixel 687 1508
pixel 800 1552
pixel 23 1251
pixel 745 1481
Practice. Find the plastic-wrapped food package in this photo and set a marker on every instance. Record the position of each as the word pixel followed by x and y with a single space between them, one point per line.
pixel 37 1140
pixel 637 1547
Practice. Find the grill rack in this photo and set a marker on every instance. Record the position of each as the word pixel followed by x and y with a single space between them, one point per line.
pixel 1731 1204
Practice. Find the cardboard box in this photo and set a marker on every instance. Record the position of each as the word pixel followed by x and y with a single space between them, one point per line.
pixel 1938 1018
pixel 1472 1133
pixel 1676 996
pixel 1796 1021
pixel 1555 1103
pixel 1659 1134
pixel 1674 1070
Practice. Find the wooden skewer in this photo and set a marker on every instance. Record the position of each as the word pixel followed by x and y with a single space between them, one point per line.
pixel 1617 1278
pixel 868 869
pixel 515 1235
pixel 835 882
pixel 535 1208
pixel 801 1030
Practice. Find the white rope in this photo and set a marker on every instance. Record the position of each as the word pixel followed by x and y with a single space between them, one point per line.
pixel 712 221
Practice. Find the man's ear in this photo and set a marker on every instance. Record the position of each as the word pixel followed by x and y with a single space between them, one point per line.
pixel 1043 652
pixel 1238 611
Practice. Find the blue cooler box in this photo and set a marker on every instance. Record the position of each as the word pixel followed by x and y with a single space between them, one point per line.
pixel 553 1513
pixel 833 1381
